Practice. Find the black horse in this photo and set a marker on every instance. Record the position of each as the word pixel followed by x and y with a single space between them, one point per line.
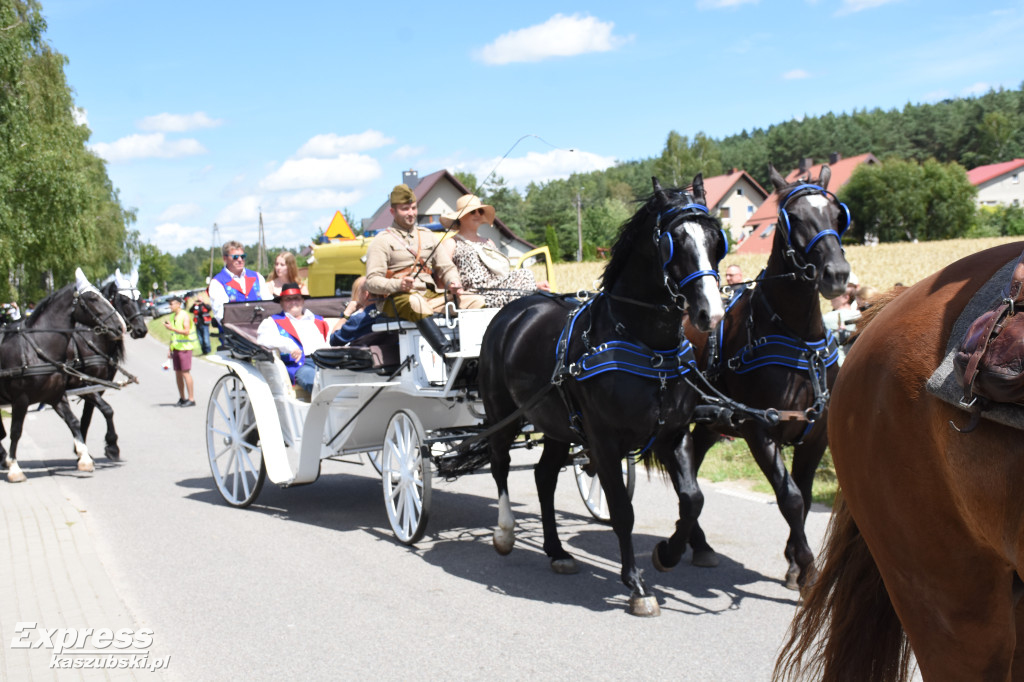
pixel 771 350
pixel 609 374
pixel 101 354
pixel 36 357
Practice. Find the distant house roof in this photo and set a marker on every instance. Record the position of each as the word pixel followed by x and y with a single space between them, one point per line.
pixel 718 187
pixel 982 174
pixel 382 217
pixel 762 223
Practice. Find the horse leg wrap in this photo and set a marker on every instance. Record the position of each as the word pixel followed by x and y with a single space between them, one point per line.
pixel 505 533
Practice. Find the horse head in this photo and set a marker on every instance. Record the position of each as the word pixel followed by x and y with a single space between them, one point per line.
pixel 809 217
pixel 92 309
pixel 123 293
pixel 689 246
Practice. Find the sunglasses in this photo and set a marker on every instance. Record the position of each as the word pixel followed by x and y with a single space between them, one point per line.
pixel 236 256
pixel 480 212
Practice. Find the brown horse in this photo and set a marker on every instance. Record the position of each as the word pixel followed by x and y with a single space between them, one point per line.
pixel 926 544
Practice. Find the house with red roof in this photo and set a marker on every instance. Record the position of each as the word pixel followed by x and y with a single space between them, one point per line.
pixel 762 224
pixel 436 194
pixel 735 197
pixel 999 183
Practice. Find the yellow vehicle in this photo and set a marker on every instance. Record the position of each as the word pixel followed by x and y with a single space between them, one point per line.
pixel 334 266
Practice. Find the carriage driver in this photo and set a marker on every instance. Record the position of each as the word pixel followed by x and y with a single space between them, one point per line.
pixel 403 263
pixel 294 333
pixel 235 282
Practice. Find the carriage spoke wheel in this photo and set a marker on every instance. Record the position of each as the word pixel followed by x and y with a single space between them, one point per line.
pixel 590 487
pixel 405 470
pixel 374 457
pixel 233 443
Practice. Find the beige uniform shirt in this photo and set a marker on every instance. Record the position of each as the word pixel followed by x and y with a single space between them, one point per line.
pixel 395 250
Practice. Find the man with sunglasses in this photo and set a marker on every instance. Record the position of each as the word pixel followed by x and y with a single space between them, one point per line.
pixel 236 282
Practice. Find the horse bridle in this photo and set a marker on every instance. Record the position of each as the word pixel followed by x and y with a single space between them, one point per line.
pixel 137 314
pixel 808 270
pixel 665 248
pixel 102 326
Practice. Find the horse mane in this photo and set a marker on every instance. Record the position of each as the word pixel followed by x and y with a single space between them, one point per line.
pixel 636 226
pixel 44 304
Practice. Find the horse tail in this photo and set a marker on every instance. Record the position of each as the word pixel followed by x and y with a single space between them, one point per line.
pixel 862 639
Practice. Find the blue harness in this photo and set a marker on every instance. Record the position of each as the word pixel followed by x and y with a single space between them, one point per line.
pixel 615 356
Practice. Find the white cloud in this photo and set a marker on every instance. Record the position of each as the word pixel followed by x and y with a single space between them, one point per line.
pixel 407 152
pixel 330 145
pixel 244 211
pixel 344 170
pixel 176 212
pixel 80 116
pixel 851 6
pixel 795 74
pixel 718 4
pixel 976 89
pixel 178 123
pixel 318 198
pixel 147 147
pixel 559 36
pixel 536 167
pixel 175 238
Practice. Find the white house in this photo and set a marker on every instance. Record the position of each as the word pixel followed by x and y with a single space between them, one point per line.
pixel 999 183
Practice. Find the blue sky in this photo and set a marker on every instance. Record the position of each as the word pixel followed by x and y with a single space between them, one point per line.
pixel 209 112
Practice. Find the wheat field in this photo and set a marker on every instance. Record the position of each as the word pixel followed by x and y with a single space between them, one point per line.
pixel 880 266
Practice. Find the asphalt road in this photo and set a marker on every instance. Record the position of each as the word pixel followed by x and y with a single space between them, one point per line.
pixel 309 582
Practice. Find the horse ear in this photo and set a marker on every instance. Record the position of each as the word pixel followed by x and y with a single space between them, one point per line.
pixel 134 278
pixel 698 188
pixel 777 180
pixel 824 176
pixel 81 281
pixel 658 191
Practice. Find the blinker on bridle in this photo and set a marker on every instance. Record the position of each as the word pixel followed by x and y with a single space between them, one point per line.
pixel 666 246
pixel 809 270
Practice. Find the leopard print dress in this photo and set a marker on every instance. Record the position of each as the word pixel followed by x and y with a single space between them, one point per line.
pixel 476 277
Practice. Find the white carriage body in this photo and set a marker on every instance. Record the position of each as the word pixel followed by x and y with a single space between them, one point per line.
pixel 349 410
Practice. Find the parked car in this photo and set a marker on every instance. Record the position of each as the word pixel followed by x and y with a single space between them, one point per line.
pixel 147 306
pixel 162 306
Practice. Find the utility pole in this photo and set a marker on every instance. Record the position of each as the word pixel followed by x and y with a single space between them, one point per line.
pixel 213 249
pixel 261 254
pixel 579 228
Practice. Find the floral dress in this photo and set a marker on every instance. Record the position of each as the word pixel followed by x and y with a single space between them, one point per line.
pixel 497 289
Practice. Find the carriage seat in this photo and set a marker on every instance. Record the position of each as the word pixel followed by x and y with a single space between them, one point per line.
pixel 377 351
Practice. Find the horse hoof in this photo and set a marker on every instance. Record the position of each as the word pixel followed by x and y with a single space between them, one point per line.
pixel 791 581
pixel 705 558
pixel 659 563
pixel 112 453
pixel 645 606
pixel 15 477
pixel 564 566
pixel 86 466
pixel 504 540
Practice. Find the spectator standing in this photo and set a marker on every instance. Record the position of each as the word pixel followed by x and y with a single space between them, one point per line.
pixel 183 340
pixel 235 282
pixel 200 310
pixel 842 321
pixel 734 284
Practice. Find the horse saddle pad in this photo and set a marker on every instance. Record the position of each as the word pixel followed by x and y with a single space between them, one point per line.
pixel 989 360
pixel 946 382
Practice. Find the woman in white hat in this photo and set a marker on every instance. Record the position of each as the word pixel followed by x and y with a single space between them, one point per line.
pixel 483 269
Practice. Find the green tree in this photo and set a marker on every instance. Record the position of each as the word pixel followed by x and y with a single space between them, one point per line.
pixel 903 200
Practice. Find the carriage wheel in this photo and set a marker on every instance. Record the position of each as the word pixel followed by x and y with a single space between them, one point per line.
pixel 590 487
pixel 233 443
pixel 405 465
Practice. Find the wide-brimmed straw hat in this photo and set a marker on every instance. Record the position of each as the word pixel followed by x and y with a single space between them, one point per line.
pixel 465 205
pixel 289 289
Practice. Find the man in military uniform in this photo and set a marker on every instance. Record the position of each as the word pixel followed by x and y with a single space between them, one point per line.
pixel 404 264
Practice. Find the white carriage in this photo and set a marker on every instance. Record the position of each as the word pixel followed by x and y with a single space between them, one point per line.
pixel 393 401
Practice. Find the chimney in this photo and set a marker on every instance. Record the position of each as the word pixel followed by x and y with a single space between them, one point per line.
pixel 411 178
pixel 805 165
pixel 833 158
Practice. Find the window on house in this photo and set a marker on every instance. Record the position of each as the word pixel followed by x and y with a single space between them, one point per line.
pixel 723 212
pixel 1015 178
pixel 768 233
pixel 750 209
pixel 739 191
